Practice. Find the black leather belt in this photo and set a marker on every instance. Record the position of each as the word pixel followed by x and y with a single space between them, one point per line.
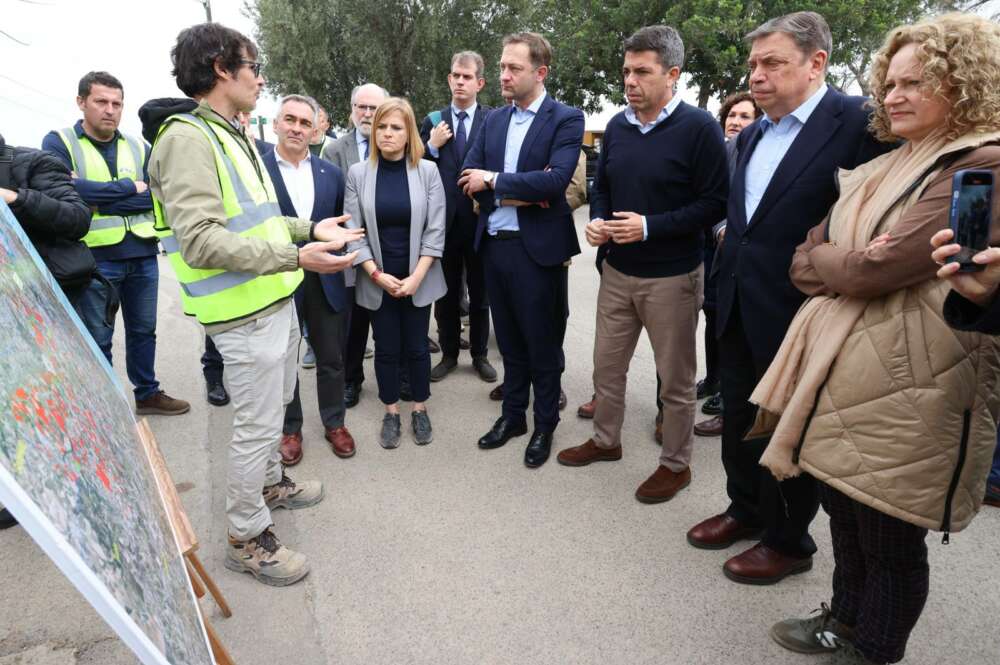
pixel 506 235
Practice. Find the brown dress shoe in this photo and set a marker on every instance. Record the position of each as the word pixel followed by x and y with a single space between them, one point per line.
pixel 497 393
pixel 291 449
pixel 719 532
pixel 341 441
pixel 161 404
pixel 710 427
pixel 762 565
pixel 588 452
pixel 663 485
pixel 587 410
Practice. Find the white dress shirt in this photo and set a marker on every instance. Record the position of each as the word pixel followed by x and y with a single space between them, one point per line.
pixel 298 180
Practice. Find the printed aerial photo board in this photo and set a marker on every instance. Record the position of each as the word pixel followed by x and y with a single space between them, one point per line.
pixel 74 472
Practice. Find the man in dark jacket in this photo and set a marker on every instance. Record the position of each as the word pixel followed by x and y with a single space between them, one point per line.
pixel 40 193
pixel 37 188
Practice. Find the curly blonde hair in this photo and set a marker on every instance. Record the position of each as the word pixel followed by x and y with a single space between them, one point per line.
pixel 960 54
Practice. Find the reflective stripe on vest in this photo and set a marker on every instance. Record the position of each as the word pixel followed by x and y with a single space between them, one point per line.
pixel 252 210
pixel 89 164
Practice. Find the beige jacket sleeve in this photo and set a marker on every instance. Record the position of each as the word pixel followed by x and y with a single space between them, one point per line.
pixel 182 175
pixel 576 193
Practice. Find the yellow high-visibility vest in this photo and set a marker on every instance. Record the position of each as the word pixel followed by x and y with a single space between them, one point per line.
pixel 89 164
pixel 252 211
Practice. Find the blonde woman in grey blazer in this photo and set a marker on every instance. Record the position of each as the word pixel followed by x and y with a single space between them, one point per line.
pixel 398 199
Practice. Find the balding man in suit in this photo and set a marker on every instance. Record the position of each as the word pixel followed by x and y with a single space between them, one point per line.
pixel 350 149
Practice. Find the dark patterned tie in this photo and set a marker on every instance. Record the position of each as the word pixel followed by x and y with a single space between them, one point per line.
pixel 460 137
pixel 366 148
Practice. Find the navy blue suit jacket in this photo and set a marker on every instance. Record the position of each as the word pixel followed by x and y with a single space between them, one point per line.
pixel 328 201
pixel 449 163
pixel 755 257
pixel 545 167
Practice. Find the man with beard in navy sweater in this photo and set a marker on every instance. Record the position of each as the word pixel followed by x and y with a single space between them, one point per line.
pixel 662 181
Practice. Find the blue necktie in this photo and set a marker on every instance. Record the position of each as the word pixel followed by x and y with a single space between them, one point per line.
pixel 460 137
pixel 366 148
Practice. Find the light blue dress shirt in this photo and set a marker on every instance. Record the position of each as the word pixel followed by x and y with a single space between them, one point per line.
pixel 504 218
pixel 632 119
pixel 771 149
pixel 435 153
pixel 362 144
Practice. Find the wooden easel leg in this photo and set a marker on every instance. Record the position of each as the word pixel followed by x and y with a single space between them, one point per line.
pixel 199 590
pixel 222 656
pixel 210 583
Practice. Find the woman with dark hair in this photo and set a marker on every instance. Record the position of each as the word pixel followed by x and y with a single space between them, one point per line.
pixel 737 112
pixel 399 200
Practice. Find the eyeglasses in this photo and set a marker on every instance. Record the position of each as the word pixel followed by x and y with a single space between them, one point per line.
pixel 366 108
pixel 254 66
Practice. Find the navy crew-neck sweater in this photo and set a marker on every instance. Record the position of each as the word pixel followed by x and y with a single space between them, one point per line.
pixel 676 175
pixel 392 212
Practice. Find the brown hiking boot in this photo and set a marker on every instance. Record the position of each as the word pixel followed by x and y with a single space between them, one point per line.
pixel 264 557
pixel 588 452
pixel 161 404
pixel 663 485
pixel 286 493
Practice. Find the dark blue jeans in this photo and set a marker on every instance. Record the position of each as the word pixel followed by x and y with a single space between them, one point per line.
pixel 136 281
pixel 400 331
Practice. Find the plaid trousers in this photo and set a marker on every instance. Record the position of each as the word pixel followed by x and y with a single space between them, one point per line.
pixel 880 578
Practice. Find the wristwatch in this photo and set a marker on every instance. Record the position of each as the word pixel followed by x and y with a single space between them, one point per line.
pixel 490 179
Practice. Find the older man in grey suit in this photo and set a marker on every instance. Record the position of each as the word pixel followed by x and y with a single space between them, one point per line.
pixel 346 151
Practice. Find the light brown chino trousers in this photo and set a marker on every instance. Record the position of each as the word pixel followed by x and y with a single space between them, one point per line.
pixel 667 307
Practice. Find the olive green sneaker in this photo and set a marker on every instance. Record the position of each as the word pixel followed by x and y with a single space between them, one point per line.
pixel 266 559
pixel 291 495
pixel 815 634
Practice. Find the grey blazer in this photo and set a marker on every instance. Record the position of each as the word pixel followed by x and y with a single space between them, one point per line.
pixel 427 229
pixel 343 152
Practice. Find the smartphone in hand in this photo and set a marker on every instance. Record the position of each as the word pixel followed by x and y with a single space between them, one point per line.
pixel 971 215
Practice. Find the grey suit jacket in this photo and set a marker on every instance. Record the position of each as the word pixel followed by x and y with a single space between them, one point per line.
pixel 343 152
pixel 427 229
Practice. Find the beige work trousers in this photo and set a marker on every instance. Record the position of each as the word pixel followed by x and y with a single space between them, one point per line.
pixel 667 307
pixel 260 359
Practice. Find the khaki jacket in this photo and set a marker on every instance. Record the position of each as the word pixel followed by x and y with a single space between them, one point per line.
pixel 906 420
pixel 182 175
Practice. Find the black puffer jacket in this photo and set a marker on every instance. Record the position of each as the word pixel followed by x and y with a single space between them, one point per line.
pixel 51 213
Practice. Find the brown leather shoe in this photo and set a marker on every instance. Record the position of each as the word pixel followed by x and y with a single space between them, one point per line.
pixel 710 427
pixel 658 432
pixel 663 485
pixel 497 393
pixel 588 452
pixel 291 449
pixel 762 565
pixel 719 532
pixel 586 410
pixel 161 404
pixel 341 441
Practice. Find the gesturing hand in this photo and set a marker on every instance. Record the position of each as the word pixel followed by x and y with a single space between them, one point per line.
pixel 316 256
pixel 330 230
pixel 979 287
pixel 625 228
pixel 596 233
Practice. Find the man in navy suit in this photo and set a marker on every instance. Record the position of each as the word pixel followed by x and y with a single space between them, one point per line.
pixel 526 153
pixel 312 188
pixel 785 182
pixel 447 135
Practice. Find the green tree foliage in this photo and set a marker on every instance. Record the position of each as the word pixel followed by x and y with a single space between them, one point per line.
pixel 326 47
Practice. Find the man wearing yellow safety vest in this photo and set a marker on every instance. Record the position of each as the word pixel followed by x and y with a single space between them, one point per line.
pixel 109 174
pixel 234 254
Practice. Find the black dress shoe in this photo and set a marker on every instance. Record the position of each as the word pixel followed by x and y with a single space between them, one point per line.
pixel 538 449
pixel 443 368
pixel 562 399
pixel 217 395
pixel 712 405
pixel 433 346
pixel 484 369
pixel 352 393
pixel 503 430
pixel 706 388
pixel 6 519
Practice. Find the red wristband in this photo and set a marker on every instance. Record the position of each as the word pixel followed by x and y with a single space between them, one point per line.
pixel 375 274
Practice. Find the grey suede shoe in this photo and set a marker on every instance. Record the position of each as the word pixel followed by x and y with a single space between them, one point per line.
pixel 422 432
pixel 389 438
pixel 815 634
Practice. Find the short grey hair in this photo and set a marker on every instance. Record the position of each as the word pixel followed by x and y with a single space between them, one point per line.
pixel 302 99
pixel 808 30
pixel 470 56
pixel 662 39
pixel 357 89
